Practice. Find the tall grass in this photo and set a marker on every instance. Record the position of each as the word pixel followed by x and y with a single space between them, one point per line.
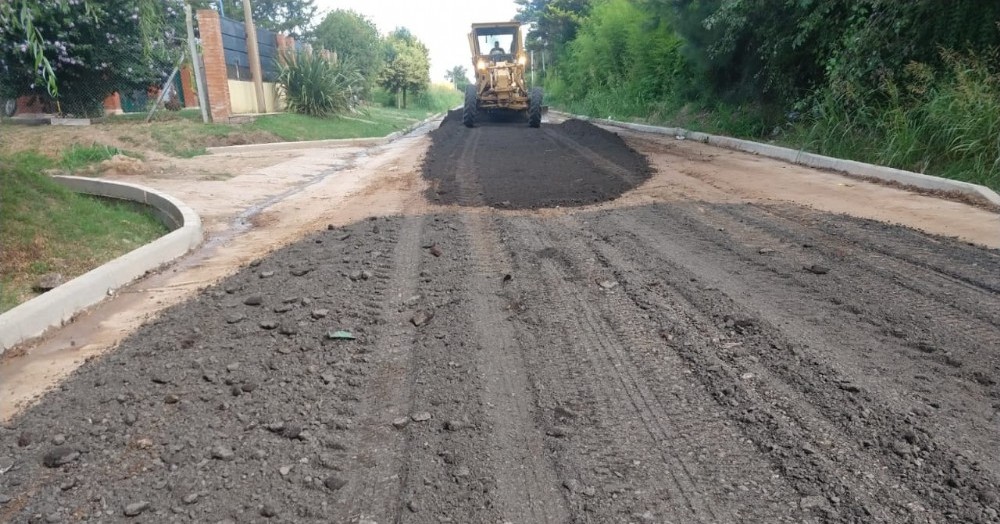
pixel 943 123
pixel 436 98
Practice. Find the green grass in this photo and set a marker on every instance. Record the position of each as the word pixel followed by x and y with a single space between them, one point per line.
pixel 79 156
pixel 437 99
pixel 47 228
pixel 181 136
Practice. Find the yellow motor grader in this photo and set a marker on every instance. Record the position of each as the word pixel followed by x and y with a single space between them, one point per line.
pixel 499 59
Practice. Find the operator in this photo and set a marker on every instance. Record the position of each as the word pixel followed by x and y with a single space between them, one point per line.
pixel 497 52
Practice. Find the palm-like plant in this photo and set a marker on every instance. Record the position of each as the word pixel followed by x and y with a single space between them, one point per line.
pixel 317 85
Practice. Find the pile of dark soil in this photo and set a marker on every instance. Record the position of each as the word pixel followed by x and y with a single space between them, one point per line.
pixel 569 164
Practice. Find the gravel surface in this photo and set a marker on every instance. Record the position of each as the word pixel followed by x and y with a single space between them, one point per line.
pixel 682 362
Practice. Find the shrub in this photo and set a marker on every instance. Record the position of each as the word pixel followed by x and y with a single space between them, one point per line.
pixel 315 85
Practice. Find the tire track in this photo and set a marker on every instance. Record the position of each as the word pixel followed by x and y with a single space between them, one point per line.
pixel 920 336
pixel 376 496
pixel 883 428
pixel 614 340
pixel 528 490
pixel 933 285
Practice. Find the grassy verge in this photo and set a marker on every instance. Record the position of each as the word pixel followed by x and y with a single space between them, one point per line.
pixel 46 228
pixel 944 123
pixel 940 137
pixel 438 99
pixel 181 134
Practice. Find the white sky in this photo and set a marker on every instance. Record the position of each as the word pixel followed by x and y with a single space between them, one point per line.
pixel 442 25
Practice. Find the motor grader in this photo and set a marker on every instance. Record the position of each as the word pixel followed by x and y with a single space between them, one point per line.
pixel 500 90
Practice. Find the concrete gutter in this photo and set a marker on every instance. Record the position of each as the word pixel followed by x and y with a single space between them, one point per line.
pixel 58 306
pixel 319 144
pixel 813 160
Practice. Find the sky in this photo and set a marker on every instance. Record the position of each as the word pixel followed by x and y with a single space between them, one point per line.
pixel 442 25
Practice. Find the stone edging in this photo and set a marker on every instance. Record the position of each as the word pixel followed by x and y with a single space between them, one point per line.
pixel 795 156
pixel 58 306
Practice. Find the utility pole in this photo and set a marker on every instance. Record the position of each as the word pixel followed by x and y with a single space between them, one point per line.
pixel 254 52
pixel 532 67
pixel 196 64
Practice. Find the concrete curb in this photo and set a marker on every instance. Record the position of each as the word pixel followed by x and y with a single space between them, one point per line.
pixel 315 144
pixel 56 307
pixel 795 156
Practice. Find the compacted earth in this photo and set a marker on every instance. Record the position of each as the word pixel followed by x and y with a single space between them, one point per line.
pixel 499 360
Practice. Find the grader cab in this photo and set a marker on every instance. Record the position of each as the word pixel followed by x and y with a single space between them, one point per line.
pixel 500 89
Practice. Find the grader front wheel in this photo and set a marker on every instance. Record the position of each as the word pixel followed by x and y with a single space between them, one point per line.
pixel 535 107
pixel 471 105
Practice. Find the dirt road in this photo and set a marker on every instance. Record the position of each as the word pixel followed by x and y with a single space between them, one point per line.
pixel 677 350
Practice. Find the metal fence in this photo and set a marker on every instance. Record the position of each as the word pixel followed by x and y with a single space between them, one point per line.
pixel 234 43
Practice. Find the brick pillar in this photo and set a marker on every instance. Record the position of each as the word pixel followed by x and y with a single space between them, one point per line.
pixel 113 104
pixel 187 86
pixel 285 44
pixel 216 79
pixel 29 104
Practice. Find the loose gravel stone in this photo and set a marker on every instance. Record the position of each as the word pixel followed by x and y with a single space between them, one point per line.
pixel 817 269
pixel 254 300
pixel 136 508
pixel 221 452
pixel 60 456
pixel 421 317
pixel 559 431
pixel 334 483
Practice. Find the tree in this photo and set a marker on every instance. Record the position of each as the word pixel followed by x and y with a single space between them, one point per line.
pixel 407 65
pixel 17 19
pixel 93 50
pixel 354 38
pixel 782 51
pixel 459 76
pixel 553 22
pixel 291 17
